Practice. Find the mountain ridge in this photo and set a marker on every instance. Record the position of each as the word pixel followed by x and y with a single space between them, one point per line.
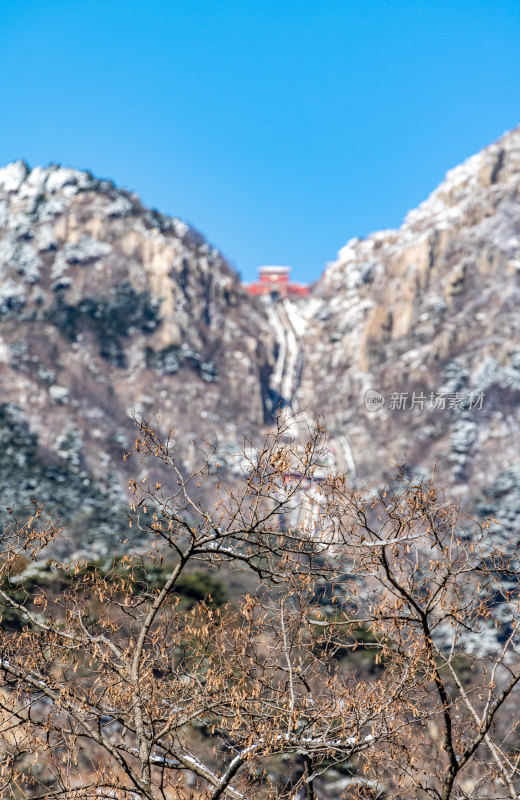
pixel 107 307
pixel 429 307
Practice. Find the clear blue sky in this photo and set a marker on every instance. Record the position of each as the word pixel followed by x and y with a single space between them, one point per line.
pixel 279 129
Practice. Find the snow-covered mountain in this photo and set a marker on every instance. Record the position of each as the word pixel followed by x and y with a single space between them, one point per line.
pixel 429 316
pixel 108 308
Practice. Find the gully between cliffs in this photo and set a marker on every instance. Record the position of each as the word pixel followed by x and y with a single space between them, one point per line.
pixel 287 373
pixel 287 324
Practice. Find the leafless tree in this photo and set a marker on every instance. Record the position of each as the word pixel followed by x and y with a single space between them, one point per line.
pixel 111 687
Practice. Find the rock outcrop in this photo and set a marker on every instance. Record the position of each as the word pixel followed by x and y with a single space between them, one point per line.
pixel 427 316
pixel 106 309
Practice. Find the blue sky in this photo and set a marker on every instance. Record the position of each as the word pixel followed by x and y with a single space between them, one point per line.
pixel 278 129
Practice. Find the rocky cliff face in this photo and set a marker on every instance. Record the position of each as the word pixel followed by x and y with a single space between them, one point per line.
pixel 106 309
pixel 428 316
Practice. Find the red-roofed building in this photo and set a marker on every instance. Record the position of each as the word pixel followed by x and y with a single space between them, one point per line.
pixel 275 280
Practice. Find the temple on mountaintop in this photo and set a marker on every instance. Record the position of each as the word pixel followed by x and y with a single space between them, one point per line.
pixel 275 281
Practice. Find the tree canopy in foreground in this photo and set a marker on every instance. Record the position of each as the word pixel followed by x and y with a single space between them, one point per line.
pixel 377 642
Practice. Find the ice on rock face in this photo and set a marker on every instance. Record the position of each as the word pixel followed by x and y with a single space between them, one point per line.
pixel 45 239
pixel 466 184
pixel 21 225
pixel 52 208
pixel 12 297
pixel 85 250
pixel 180 227
pixel 34 186
pixel 121 207
pixel 348 253
pixel 59 266
pixel 22 257
pixel 13 175
pixel 7 252
pixel 4 214
pixel 62 177
pixel 28 263
pixel 60 394
pixel 503 228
